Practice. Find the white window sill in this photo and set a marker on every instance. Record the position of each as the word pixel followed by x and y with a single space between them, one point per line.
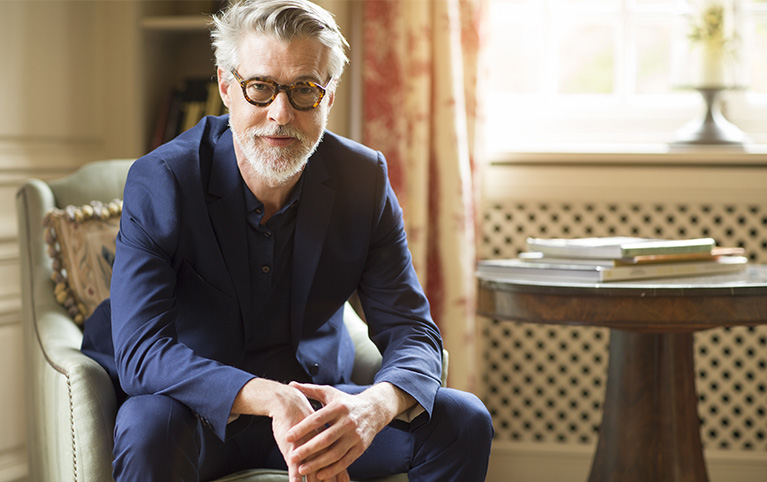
pixel 751 155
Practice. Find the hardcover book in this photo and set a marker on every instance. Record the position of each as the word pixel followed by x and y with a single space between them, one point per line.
pixel 716 252
pixel 519 269
pixel 617 247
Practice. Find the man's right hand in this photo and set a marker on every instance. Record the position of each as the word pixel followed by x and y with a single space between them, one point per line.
pixel 286 411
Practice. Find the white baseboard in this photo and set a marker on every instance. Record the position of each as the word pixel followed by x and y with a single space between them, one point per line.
pixel 13 465
pixel 736 466
pixel 546 462
pixel 538 462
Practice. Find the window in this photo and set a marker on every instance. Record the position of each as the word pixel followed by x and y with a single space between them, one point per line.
pixel 603 71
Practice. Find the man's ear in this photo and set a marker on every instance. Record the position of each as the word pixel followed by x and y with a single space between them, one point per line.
pixel 223 86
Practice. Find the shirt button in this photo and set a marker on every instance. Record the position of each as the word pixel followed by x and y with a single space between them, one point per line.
pixel 265 268
pixel 268 234
pixel 258 211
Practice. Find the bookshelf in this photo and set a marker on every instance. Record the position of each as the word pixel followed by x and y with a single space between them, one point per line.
pixel 174 47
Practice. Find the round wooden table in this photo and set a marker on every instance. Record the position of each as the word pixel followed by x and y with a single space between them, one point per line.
pixel 650 428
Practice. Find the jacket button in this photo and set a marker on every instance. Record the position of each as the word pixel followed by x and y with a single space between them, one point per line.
pixel 314 369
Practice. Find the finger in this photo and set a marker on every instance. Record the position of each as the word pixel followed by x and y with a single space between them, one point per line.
pixel 311 425
pixel 317 392
pixel 312 478
pixel 337 469
pixel 326 451
pixel 293 475
pixel 322 450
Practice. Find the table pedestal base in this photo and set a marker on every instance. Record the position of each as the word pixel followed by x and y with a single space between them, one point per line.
pixel 650 428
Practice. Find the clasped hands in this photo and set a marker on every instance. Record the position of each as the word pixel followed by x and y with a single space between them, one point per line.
pixel 322 444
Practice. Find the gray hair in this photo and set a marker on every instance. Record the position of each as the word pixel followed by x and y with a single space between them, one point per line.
pixel 282 19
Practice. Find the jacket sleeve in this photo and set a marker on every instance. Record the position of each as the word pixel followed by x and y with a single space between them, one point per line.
pixel 150 358
pixel 395 306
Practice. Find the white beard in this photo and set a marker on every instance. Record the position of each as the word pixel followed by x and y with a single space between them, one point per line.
pixel 276 165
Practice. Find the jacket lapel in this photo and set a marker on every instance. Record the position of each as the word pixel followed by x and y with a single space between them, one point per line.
pixel 314 210
pixel 227 215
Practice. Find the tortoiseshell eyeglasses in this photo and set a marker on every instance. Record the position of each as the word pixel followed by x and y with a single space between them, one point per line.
pixel 303 95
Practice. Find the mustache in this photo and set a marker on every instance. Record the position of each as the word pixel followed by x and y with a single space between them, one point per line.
pixel 280 131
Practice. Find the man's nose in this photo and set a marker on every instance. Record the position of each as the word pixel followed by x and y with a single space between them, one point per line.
pixel 280 110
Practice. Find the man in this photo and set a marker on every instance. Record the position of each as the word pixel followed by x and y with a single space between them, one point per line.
pixel 239 243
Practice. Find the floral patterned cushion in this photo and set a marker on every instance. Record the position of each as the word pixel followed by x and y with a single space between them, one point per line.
pixel 81 244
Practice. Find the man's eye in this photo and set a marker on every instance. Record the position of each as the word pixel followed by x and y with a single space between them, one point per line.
pixel 259 86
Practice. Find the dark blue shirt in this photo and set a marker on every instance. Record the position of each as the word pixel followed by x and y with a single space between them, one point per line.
pixel 270 248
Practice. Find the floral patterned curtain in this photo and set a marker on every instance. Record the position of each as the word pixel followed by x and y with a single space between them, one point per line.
pixel 420 109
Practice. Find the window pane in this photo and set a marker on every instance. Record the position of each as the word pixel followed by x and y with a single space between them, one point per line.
pixel 656 3
pixel 586 56
pixel 653 69
pixel 585 5
pixel 601 3
pixel 516 57
pixel 515 49
pixel 759 61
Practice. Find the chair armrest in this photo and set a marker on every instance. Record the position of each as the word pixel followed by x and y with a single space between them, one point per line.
pixel 73 405
pixel 367 358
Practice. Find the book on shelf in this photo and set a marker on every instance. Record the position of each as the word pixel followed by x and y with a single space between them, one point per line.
pixel 617 247
pixel 184 106
pixel 564 270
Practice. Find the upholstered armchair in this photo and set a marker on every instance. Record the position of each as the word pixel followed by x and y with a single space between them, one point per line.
pixel 71 403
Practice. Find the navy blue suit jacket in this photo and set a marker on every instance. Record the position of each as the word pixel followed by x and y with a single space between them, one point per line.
pixel 180 294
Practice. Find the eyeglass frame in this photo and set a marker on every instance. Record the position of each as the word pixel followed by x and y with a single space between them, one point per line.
pixel 279 88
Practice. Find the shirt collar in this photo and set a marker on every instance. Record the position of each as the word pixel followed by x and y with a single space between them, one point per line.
pixel 252 204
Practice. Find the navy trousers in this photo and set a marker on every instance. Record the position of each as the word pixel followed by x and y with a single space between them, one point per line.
pixel 160 439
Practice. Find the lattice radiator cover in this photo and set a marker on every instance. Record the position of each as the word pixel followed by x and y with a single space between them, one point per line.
pixel 546 383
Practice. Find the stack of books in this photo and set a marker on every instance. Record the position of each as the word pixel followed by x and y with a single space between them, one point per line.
pixel 617 258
